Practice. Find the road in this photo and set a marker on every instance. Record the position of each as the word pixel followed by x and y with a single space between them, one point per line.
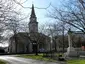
pixel 17 60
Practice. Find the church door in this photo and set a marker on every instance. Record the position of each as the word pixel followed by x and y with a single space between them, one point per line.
pixel 34 47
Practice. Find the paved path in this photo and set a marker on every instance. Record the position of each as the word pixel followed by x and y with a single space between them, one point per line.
pixel 18 60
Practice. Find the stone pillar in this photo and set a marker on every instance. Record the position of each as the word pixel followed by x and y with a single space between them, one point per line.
pixel 71 52
pixel 70 48
pixel 69 40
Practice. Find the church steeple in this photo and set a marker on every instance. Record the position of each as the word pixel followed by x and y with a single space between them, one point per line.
pixel 33 12
pixel 33 24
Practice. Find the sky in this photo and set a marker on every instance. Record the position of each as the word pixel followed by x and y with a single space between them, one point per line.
pixel 40 13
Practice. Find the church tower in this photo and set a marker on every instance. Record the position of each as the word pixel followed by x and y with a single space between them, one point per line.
pixel 33 24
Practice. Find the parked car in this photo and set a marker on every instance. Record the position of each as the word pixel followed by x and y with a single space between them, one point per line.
pixel 42 50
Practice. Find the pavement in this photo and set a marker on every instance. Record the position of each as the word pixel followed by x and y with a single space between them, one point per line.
pixel 18 60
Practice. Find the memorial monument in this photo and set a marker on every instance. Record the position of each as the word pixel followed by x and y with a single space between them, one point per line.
pixel 71 52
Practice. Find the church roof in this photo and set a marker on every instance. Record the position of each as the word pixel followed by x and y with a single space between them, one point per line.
pixel 24 37
pixel 33 12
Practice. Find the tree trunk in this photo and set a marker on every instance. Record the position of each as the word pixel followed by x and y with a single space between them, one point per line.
pixel 15 37
pixel 36 49
pixel 55 47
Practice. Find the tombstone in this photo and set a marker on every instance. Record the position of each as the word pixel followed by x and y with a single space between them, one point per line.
pixel 71 52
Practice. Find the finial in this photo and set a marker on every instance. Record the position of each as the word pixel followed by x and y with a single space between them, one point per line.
pixel 32 4
pixel 33 11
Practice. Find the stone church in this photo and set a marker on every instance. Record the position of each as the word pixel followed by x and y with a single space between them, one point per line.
pixel 28 42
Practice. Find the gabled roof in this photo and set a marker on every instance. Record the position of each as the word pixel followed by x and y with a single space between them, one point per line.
pixel 24 37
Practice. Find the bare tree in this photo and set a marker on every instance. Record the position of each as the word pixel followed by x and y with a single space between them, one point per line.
pixel 53 31
pixel 9 17
pixel 5 10
pixel 73 13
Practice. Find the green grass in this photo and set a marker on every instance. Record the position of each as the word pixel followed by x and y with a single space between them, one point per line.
pixel 2 62
pixel 77 61
pixel 40 57
pixel 36 57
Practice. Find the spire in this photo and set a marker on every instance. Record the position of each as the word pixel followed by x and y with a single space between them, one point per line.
pixel 33 12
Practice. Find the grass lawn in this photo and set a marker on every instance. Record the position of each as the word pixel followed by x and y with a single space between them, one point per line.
pixel 2 62
pixel 38 57
pixel 79 61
